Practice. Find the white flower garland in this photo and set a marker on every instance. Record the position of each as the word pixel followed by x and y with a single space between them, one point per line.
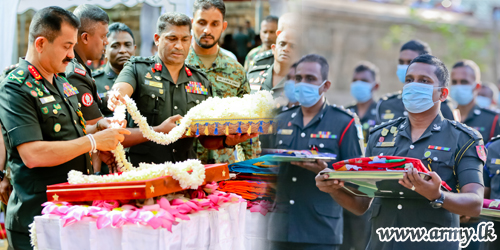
pixel 34 239
pixel 178 171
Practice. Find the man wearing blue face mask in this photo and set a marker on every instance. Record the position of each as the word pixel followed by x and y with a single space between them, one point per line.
pixel 306 218
pixel 485 96
pixel 465 85
pixel 391 107
pixel 365 81
pixel 454 153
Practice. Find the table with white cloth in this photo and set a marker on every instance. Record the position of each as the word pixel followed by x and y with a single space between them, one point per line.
pixel 210 229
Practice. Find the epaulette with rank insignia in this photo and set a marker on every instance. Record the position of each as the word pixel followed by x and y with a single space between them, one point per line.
pixel 344 110
pixel 17 76
pixel 263 55
pixel 258 68
pixel 142 59
pixel 470 131
pixel 496 138
pixel 385 124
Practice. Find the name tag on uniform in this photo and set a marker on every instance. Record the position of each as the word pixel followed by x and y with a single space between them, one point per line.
pixel 47 99
pixel 285 131
pixel 385 144
pixel 154 84
pixel 228 81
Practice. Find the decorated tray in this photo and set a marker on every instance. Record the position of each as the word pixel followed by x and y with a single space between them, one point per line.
pixel 230 126
pixel 130 189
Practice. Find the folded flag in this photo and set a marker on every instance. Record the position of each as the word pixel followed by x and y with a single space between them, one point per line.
pixel 491 204
pixel 249 190
pixel 383 163
pixel 254 166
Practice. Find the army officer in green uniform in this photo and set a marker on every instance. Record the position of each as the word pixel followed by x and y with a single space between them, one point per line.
pixel 165 88
pixel 42 125
pixel 390 106
pixel 492 183
pixel 268 28
pixel 121 46
pixel 452 151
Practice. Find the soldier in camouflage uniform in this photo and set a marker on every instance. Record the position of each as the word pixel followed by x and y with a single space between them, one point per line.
pixel 226 75
pixel 268 28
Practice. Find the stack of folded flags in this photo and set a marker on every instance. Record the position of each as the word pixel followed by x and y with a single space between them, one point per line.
pixel 254 180
pixel 491 204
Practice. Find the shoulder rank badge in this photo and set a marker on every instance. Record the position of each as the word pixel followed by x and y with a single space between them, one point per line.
pixel 80 71
pixel 188 71
pixel 34 72
pixel 158 66
pixel 481 153
pixel 196 88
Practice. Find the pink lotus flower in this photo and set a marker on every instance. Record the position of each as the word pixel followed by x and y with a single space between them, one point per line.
pixel 59 208
pixel 262 207
pixel 107 204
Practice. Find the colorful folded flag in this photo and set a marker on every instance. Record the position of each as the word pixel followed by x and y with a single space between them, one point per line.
pixel 254 166
pixel 382 163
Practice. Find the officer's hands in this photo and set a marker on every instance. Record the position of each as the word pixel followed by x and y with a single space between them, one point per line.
pixel 105 123
pixel 326 185
pixel 232 140
pixel 110 160
pixel 108 139
pixel 168 124
pixel 5 190
pixel 114 99
pixel 430 189
pixel 315 166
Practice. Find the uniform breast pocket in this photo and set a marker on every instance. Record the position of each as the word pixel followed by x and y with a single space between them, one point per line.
pixel 284 141
pixel 152 99
pixel 385 151
pixel 194 99
pixel 53 121
pixel 328 145
pixel 439 161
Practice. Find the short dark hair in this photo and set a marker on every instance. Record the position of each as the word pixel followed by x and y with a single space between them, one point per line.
pixel 172 18
pixel 368 66
pixel 441 71
pixel 472 65
pixel 271 19
pixel 120 27
pixel 317 59
pixel 418 46
pixel 47 23
pixel 294 66
pixel 208 4
pixel 89 15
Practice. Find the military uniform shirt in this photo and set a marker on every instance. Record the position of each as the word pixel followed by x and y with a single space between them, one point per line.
pixel 492 168
pixel 104 80
pixel 453 150
pixel 391 107
pixel 158 98
pixel 32 109
pixel 304 213
pixel 228 79
pixel 485 121
pixel 369 120
pixel 80 76
pixel 251 55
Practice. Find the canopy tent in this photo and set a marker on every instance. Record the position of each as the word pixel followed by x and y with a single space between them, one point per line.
pixel 10 8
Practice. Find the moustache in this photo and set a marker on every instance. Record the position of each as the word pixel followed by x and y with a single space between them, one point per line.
pixel 67 59
pixel 205 35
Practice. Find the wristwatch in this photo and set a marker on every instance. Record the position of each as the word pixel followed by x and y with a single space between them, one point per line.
pixel 438 203
pixel 225 145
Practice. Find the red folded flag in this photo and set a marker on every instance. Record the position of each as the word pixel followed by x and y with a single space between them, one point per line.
pixel 382 163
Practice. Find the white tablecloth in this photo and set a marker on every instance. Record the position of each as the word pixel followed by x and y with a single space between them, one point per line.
pixel 211 230
pixel 256 227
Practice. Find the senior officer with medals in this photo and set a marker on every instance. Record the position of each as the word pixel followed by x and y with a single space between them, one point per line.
pixel 120 48
pixel 165 88
pixel 43 127
pixel 452 151
pixel 306 218
pixel 226 75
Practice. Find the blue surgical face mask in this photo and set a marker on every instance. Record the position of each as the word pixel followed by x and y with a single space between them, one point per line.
pixel 417 97
pixel 290 91
pixel 307 94
pixel 483 101
pixel 462 94
pixel 361 91
pixel 402 72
